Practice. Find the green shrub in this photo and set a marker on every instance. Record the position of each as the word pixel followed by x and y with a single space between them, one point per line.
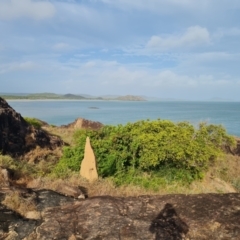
pixel 21 168
pixel 7 161
pixel 161 149
pixel 34 122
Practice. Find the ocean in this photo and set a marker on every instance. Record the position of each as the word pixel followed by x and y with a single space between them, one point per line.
pixel 120 112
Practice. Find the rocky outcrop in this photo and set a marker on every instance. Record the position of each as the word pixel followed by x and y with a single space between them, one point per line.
pixel 236 150
pixel 13 226
pixel 81 123
pixel 71 191
pixel 168 217
pixel 233 150
pixel 18 137
pixel 171 217
pixel 88 168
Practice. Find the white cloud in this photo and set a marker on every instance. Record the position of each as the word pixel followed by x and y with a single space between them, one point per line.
pixel 17 66
pixel 219 64
pixel 61 46
pixel 103 77
pixel 37 10
pixel 194 36
pixel 167 78
pixel 155 5
pixel 113 74
pixel 215 57
pixel 230 32
pixel 173 6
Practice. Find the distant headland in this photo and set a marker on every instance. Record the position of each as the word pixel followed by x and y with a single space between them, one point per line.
pixel 69 96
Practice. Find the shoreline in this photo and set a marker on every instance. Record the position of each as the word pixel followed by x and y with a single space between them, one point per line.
pixel 114 100
pixel 68 100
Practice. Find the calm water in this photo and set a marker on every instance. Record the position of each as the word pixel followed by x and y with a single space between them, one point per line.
pixel 119 112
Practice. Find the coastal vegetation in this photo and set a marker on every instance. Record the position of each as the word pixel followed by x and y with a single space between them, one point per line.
pixel 149 153
pixel 34 122
pixel 144 157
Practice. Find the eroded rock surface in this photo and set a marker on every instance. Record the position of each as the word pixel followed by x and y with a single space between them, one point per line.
pixel 168 217
pixel 18 137
pixel 72 191
pixel 14 226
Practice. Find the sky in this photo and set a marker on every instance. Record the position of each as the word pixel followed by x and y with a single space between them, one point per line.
pixel 181 49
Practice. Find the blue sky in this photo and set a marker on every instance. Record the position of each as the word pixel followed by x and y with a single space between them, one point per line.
pixel 183 49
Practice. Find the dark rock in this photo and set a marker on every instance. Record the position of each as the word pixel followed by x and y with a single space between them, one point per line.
pixel 233 150
pixel 18 137
pixel 43 198
pixel 14 226
pixel 67 190
pixel 48 199
pixel 176 217
pixel 236 150
pixel 167 225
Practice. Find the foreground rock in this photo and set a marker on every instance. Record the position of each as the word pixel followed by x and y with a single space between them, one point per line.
pixel 18 137
pixel 169 217
pixel 13 226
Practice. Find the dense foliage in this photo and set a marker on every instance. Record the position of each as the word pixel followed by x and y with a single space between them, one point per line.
pixel 149 152
pixel 34 122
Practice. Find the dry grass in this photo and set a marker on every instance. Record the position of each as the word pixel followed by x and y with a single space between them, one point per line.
pixel 18 203
pixel 66 134
pixel 228 169
pixel 222 177
pixel 103 187
pixel 38 155
pixel 6 161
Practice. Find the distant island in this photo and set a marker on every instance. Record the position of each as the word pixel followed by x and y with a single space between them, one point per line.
pixel 69 96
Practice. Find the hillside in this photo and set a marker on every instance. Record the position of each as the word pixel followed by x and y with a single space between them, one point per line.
pixel 130 98
pixel 68 96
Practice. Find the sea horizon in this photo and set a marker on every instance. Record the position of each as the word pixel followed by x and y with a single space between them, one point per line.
pixel 113 112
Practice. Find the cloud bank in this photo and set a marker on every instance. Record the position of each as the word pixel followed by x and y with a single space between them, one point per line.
pixel 15 9
pixel 193 36
pixel 163 48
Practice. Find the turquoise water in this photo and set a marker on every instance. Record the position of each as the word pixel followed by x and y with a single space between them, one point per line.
pixel 119 112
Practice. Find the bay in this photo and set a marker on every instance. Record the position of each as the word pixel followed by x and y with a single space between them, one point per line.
pixel 120 112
